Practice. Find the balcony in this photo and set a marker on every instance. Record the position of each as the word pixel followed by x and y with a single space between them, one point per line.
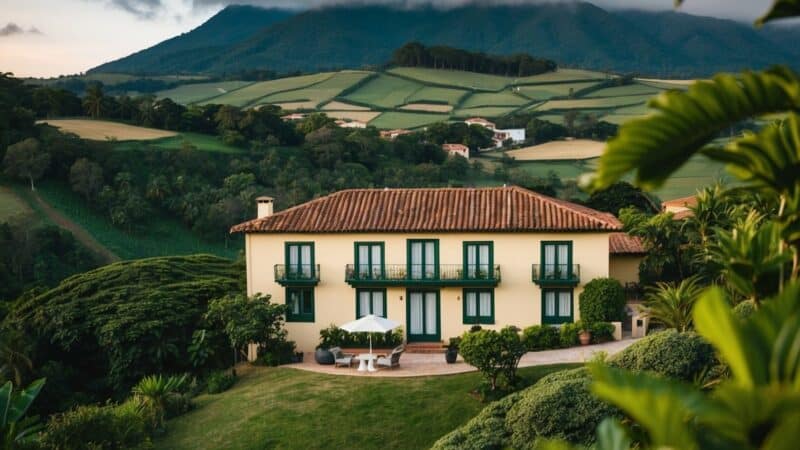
pixel 556 274
pixel 403 275
pixel 303 275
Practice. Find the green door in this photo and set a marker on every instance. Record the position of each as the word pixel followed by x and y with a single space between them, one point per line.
pixel 422 315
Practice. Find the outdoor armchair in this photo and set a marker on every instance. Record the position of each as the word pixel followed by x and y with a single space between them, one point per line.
pixel 341 358
pixel 393 360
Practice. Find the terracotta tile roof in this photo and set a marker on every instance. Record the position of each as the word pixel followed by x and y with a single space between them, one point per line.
pixel 431 210
pixel 680 215
pixel 623 243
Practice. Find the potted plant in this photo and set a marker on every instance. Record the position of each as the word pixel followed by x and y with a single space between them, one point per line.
pixel 297 357
pixel 451 352
pixel 328 337
pixel 585 335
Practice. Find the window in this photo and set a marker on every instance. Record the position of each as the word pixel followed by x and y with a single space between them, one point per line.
pixel 369 260
pixel 423 259
pixel 556 260
pixel 301 304
pixel 478 260
pixel 478 306
pixel 556 306
pixel 300 260
pixel 370 301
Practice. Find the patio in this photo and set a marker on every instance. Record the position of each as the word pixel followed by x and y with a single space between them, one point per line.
pixel 429 364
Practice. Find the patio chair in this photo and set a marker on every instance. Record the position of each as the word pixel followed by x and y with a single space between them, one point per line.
pixel 340 358
pixel 393 360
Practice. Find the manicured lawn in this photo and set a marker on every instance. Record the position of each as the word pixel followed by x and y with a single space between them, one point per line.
pixel 161 236
pixel 289 408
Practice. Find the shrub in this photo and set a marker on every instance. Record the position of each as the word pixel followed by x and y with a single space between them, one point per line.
pixel 559 406
pixel 486 431
pixel 601 332
pixel 494 353
pixel 106 427
pixel 541 337
pixel 684 356
pixel 568 334
pixel 155 391
pixel 334 336
pixel 177 405
pixel 744 309
pixel 280 352
pixel 219 381
pixel 602 300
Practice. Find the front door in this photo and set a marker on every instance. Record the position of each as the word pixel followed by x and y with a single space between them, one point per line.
pixel 423 316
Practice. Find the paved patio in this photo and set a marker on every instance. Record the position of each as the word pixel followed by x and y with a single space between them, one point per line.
pixel 427 364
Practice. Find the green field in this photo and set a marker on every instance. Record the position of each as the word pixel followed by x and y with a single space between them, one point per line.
pixel 384 91
pixel 392 120
pixel 503 98
pixel 320 92
pixel 11 205
pixel 564 75
pixel 485 111
pixel 454 78
pixel 162 236
pixel 594 103
pixel 629 89
pixel 431 94
pixel 197 92
pixel 202 142
pixel 548 91
pixel 248 95
pixel 281 408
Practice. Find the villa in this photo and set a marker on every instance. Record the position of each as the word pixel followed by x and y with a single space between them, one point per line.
pixel 456 150
pixel 436 260
pixel 516 135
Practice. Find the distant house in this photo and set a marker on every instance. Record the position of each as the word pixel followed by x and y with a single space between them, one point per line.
pixel 681 208
pixel 517 135
pixel 456 149
pixel 392 134
pixel 625 254
pixel 351 124
pixel 294 116
pixel 430 259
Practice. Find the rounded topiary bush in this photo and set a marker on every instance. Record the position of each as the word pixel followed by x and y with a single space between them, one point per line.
pixel 486 431
pixel 602 300
pixel 677 355
pixel 559 406
pixel 744 309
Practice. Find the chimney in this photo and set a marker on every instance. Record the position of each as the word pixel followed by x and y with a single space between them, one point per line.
pixel 264 206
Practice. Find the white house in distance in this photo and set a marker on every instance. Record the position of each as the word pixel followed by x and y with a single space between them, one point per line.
pixel 517 135
pixel 392 134
pixel 351 124
pixel 293 116
pixel 456 149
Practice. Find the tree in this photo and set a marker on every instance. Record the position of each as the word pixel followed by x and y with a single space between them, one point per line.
pixel 86 178
pixel 621 195
pixel 93 100
pixel 248 320
pixel 26 160
pixel 494 353
pixel 602 300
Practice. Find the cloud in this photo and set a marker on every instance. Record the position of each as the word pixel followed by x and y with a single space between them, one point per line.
pixel 11 29
pixel 143 9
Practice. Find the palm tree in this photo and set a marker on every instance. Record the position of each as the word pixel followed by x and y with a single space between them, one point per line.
pixel 671 304
pixel 155 390
pixel 93 100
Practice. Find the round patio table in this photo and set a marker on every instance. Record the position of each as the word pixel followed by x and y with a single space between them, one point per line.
pixel 366 362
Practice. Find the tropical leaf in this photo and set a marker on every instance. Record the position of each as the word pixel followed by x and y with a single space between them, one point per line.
pixel 21 401
pixel 780 9
pixel 684 122
pixel 664 407
pixel 5 402
pixel 611 435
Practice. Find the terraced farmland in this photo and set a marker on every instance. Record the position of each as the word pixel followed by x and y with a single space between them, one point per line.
pixel 197 92
pixel 384 91
pixel 319 92
pixel 249 95
pixel 454 78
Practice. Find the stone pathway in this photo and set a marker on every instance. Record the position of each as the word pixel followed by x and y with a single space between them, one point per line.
pixel 420 364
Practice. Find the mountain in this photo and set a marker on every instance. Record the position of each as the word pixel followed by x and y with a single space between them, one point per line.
pixel 573 34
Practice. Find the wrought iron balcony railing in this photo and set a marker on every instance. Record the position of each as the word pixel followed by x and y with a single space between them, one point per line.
pixel 556 274
pixel 297 275
pixel 422 274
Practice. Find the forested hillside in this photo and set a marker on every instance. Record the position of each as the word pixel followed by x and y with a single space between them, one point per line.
pixel 579 34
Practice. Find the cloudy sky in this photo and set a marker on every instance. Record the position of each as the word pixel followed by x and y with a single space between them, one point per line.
pixel 52 37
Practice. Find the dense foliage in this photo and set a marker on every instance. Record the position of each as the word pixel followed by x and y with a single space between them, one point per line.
pixel 602 300
pixel 98 333
pixel 495 354
pixel 334 336
pixel 415 54
pixel 682 356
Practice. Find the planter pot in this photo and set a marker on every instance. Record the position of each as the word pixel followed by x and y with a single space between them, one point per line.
pixel 324 357
pixel 585 337
pixel 297 358
pixel 450 356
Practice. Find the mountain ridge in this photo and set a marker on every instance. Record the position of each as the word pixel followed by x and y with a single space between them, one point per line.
pixel 581 34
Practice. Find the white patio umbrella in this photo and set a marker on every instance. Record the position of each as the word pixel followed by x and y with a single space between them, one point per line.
pixel 370 324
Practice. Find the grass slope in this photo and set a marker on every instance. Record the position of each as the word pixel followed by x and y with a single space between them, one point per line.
pixel 392 120
pixel 454 78
pixel 163 236
pixel 288 408
pixel 384 91
pixel 12 206
pixel 320 92
pixel 249 94
pixel 202 142
pixel 193 93
pixel 101 130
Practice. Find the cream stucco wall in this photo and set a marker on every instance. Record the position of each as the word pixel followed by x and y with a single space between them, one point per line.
pixel 625 268
pixel 517 298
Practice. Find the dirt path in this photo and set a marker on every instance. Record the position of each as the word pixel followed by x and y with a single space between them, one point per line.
pixel 105 255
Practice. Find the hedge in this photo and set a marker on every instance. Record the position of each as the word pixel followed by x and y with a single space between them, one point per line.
pixel 546 337
pixel 602 300
pixel 684 356
pixel 486 431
